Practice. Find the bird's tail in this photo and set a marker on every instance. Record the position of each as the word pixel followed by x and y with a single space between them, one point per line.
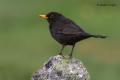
pixel 98 36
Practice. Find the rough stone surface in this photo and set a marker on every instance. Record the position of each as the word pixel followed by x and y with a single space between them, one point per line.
pixel 60 68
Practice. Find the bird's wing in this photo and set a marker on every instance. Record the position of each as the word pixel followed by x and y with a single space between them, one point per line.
pixel 71 29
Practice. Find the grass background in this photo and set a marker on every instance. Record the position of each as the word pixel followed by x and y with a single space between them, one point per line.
pixel 25 42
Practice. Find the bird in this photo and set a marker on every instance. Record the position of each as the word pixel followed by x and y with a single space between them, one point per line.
pixel 65 31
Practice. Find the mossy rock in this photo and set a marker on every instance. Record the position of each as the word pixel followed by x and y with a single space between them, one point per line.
pixel 61 68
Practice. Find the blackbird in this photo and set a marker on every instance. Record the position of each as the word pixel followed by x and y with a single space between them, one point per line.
pixel 65 31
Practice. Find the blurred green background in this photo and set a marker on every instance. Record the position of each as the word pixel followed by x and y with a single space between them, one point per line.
pixel 25 41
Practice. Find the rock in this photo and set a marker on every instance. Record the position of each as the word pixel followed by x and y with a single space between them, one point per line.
pixel 60 68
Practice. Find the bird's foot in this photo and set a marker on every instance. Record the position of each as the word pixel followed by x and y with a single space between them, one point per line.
pixel 62 55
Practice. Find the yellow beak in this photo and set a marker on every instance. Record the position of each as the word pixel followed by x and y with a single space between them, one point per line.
pixel 43 16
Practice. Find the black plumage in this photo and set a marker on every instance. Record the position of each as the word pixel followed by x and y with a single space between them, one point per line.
pixel 65 31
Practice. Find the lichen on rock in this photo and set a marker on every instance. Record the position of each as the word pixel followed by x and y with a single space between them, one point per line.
pixel 60 68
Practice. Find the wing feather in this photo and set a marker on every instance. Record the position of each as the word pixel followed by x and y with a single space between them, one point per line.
pixel 71 29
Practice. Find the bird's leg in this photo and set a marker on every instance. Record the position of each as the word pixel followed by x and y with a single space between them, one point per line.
pixel 61 50
pixel 72 51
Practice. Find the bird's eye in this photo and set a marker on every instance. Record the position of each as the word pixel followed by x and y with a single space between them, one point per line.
pixel 51 16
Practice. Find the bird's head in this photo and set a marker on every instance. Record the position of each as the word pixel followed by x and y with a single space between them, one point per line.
pixel 52 17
